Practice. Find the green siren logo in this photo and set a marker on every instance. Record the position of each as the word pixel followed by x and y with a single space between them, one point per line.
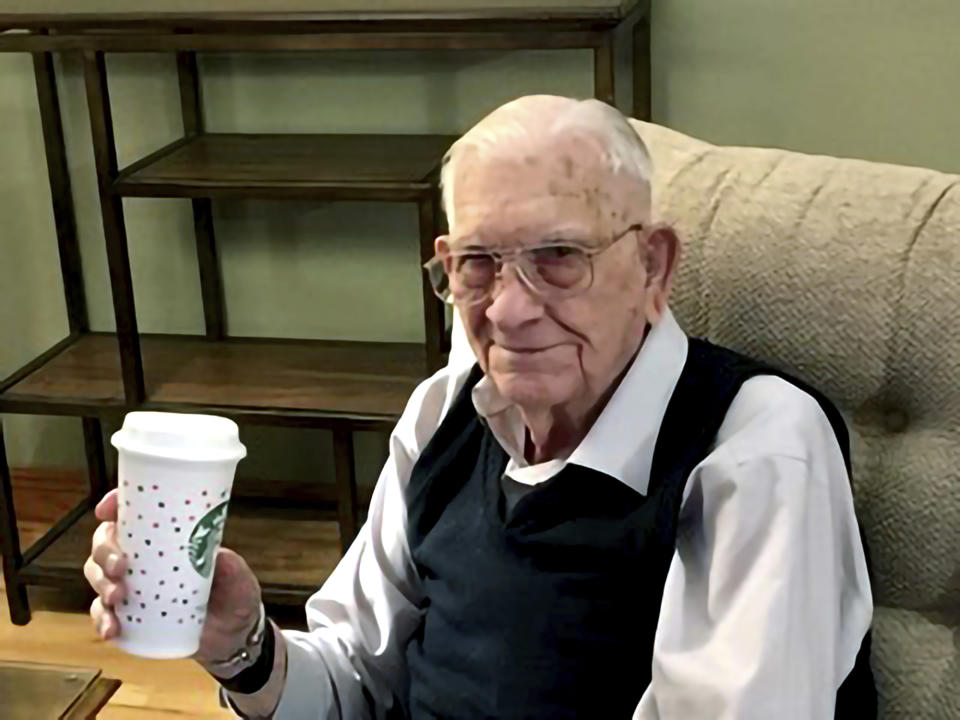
pixel 205 538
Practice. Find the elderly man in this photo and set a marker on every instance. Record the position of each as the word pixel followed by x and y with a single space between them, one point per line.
pixel 596 517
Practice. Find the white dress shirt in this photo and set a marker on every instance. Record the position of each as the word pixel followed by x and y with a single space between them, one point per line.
pixel 766 600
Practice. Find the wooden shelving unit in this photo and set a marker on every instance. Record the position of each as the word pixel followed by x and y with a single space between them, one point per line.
pixel 365 383
pixel 340 386
pixel 323 167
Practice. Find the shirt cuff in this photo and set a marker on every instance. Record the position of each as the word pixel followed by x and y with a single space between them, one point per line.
pixel 308 692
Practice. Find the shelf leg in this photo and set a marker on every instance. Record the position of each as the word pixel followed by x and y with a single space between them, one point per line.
pixel 211 282
pixel 10 545
pixel 96 462
pixel 114 228
pixel 433 310
pixel 59 175
pixel 603 71
pixel 191 101
pixel 642 82
pixel 346 478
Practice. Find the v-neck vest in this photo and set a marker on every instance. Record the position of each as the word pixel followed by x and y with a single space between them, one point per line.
pixel 549 610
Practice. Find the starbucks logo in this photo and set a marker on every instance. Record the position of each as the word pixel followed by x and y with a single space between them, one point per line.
pixel 205 538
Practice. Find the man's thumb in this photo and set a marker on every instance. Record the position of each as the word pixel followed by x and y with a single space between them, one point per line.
pixel 234 589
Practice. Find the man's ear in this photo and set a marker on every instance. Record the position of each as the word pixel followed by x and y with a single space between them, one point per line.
pixel 661 256
pixel 441 245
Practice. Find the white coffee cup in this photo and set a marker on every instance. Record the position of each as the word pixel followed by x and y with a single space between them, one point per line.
pixel 175 476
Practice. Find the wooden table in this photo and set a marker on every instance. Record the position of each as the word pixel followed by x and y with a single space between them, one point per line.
pixel 342 387
pixel 31 691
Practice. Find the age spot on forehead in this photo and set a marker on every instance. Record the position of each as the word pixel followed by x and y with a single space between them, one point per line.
pixel 567 165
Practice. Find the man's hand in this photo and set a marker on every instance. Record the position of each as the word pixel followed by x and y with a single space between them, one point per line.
pixel 105 569
pixel 232 610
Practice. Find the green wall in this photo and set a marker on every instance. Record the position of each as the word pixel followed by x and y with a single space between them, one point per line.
pixel 32 316
pixel 876 80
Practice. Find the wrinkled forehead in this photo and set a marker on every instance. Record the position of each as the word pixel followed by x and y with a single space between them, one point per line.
pixel 532 189
pixel 566 164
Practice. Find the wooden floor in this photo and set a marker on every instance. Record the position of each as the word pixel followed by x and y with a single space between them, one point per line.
pixel 41 498
pixel 61 633
pixel 151 689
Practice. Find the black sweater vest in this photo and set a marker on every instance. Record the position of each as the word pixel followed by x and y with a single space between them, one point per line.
pixel 550 611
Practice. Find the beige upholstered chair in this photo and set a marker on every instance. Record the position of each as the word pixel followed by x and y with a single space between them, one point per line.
pixel 847 273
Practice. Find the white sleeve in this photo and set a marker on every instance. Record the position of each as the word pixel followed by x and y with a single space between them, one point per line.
pixel 351 660
pixel 767 598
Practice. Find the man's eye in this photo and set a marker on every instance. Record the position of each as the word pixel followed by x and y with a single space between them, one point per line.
pixel 474 261
pixel 556 253
pixel 474 270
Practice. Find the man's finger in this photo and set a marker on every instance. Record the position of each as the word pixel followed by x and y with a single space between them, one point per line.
pixel 106 552
pixel 106 509
pixel 235 590
pixel 104 620
pixel 112 593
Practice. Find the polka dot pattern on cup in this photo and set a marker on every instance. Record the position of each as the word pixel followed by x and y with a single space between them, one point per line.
pixel 159 542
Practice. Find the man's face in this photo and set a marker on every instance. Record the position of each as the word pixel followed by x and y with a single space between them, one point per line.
pixel 543 352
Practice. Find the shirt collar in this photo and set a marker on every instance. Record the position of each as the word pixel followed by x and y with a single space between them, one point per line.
pixel 622 440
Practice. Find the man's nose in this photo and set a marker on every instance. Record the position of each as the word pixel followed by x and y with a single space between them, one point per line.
pixel 512 302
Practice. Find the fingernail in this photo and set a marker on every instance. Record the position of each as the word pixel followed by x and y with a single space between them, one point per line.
pixel 113 562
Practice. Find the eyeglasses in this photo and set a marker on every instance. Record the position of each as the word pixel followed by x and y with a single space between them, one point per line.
pixel 551 270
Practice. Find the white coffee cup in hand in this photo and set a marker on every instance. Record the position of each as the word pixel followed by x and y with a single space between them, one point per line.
pixel 165 588
pixel 232 609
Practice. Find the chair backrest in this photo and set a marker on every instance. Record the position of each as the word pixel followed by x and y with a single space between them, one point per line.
pixel 847 273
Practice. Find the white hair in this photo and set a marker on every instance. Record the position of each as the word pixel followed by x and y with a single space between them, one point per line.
pixel 539 117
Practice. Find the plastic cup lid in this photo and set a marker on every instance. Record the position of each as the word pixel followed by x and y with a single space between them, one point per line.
pixel 178 436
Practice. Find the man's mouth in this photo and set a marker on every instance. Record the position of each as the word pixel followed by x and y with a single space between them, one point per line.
pixel 525 350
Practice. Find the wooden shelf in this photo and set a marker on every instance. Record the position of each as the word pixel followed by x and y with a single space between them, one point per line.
pixel 209 15
pixel 333 167
pixel 304 548
pixel 358 382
